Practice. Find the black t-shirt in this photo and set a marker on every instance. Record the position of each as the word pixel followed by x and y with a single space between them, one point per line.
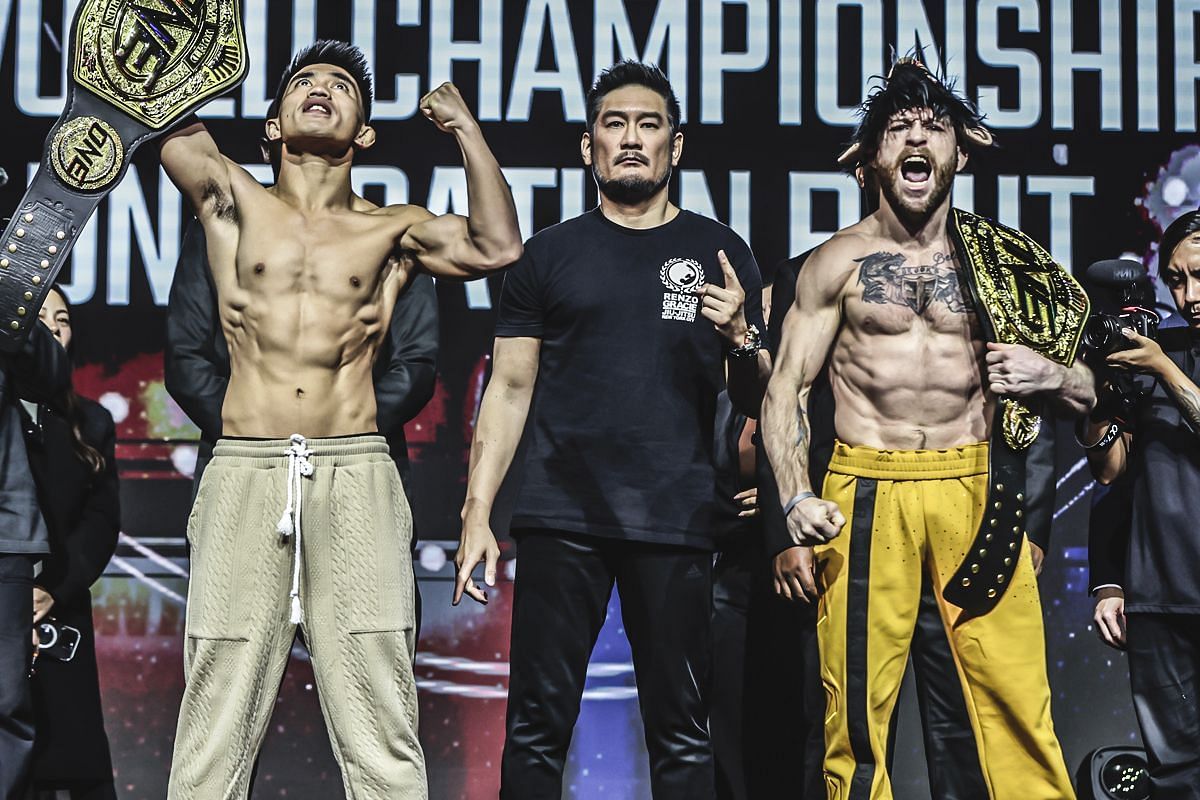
pixel 621 425
pixel 1163 565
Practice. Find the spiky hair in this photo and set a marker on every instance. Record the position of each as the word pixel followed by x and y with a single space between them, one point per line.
pixel 910 85
pixel 339 54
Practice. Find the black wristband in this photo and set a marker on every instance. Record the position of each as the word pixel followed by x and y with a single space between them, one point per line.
pixel 1110 435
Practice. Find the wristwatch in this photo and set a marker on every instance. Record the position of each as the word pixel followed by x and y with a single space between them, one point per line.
pixel 750 347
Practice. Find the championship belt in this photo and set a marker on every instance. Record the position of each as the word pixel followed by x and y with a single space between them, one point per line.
pixel 136 68
pixel 1021 297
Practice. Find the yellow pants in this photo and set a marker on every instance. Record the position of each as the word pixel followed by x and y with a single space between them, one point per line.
pixel 908 511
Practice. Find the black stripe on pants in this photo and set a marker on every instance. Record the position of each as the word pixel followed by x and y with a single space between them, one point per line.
pixel 857 632
pixel 951 754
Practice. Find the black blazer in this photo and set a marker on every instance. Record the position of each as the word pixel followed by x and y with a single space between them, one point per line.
pixel 1039 461
pixel 197 358
pixel 83 514
pixel 40 371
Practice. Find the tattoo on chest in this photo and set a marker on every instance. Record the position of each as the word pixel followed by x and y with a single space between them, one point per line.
pixel 887 278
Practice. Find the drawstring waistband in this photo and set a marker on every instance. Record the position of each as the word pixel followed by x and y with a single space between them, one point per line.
pixel 303 460
pixel 299 467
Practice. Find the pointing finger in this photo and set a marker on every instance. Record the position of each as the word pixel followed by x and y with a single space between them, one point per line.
pixel 731 278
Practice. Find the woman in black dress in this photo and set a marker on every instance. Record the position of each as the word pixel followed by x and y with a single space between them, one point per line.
pixel 72 456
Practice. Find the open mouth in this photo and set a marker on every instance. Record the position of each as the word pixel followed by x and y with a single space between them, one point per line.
pixel 316 107
pixel 915 169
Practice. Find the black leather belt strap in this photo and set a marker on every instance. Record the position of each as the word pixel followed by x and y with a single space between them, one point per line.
pixel 988 566
pixel 135 70
pixel 1021 297
pixel 92 140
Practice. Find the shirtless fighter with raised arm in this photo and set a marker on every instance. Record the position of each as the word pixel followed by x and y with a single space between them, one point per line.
pixel 933 345
pixel 300 517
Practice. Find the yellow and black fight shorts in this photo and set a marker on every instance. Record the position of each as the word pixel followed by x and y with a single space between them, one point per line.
pixel 909 511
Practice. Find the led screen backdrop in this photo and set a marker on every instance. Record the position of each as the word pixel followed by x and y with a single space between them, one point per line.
pixel 1095 110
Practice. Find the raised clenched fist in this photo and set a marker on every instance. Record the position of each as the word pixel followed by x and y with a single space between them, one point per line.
pixel 446 108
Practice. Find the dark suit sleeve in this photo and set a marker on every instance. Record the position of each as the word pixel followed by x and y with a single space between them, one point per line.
pixel 1040 481
pixel 195 368
pixel 1108 533
pixel 41 370
pixel 776 538
pixel 405 369
pixel 91 542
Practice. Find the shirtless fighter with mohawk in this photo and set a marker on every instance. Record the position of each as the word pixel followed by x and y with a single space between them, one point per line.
pixel 944 333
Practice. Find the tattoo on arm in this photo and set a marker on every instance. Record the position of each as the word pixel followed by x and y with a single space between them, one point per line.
pixel 1188 400
pixel 887 279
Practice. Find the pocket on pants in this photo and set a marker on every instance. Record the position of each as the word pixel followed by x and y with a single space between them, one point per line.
pixel 215 603
pixel 385 660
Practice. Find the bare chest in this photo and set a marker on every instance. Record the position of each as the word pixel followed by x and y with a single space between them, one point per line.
pixel 338 262
pixel 894 295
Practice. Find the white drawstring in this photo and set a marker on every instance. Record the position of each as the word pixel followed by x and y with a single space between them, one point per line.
pixel 299 467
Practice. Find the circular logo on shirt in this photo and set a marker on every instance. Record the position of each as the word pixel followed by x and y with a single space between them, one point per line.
pixel 681 274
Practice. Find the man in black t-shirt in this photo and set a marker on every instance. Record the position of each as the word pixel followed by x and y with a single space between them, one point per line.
pixel 1148 589
pixel 617 331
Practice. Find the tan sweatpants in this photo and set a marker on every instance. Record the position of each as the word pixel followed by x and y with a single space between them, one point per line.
pixel 355 586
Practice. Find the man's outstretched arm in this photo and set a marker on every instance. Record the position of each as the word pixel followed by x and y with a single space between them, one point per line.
pixel 498 431
pixel 196 167
pixel 809 331
pixel 466 247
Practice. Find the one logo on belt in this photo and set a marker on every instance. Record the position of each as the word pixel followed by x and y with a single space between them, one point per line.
pixel 87 153
pixel 682 277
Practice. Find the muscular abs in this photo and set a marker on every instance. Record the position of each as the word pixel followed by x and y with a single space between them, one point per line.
pixel 305 301
pixel 907 365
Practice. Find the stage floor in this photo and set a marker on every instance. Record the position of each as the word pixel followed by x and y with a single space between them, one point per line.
pixel 461 669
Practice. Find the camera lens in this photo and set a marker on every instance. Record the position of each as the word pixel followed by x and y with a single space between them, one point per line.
pixel 1101 332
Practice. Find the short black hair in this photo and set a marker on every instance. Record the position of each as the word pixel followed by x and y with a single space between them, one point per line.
pixel 910 85
pixel 1174 235
pixel 329 51
pixel 632 73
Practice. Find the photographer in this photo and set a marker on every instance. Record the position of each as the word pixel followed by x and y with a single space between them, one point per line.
pixel 1150 604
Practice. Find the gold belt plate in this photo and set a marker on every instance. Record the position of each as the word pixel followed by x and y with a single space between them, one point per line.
pixel 1030 299
pixel 155 59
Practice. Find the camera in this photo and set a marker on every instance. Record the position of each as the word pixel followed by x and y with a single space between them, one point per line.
pixel 57 641
pixel 1102 332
